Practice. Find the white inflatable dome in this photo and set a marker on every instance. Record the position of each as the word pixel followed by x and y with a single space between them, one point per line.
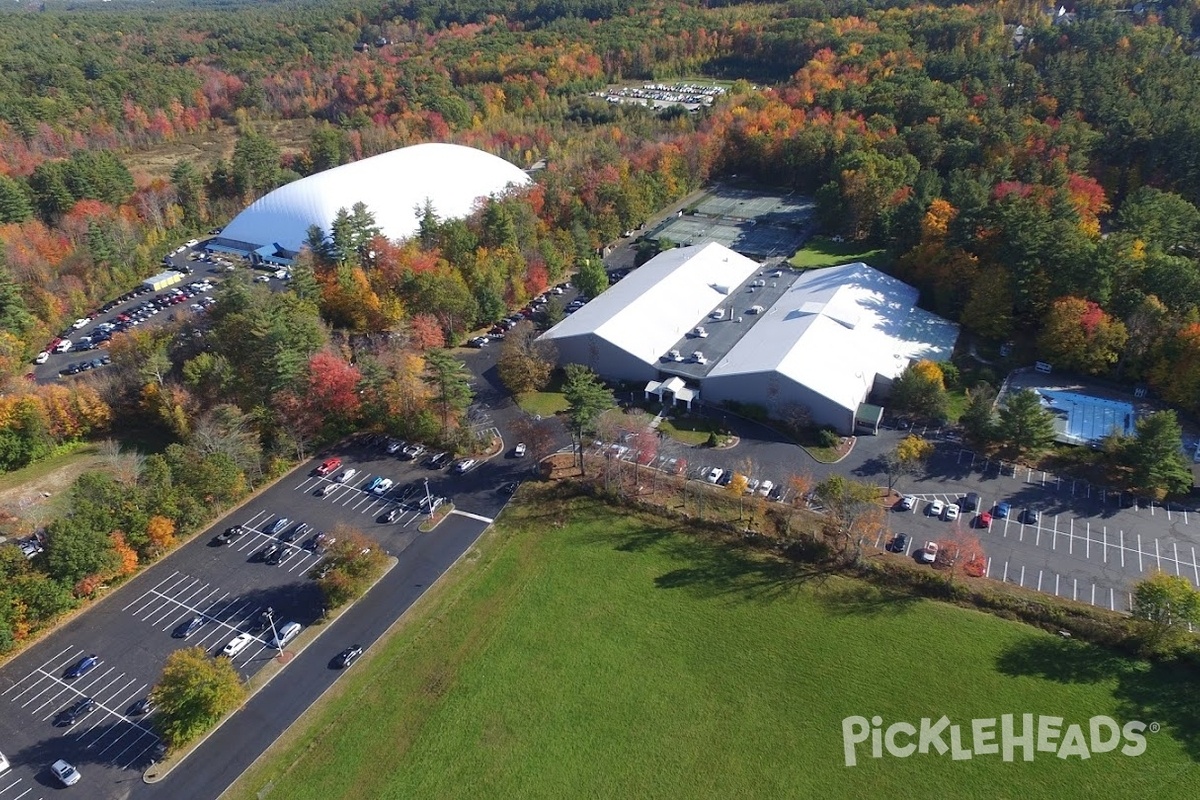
pixel 393 186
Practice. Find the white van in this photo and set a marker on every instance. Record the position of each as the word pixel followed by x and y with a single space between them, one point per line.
pixel 289 631
pixel 63 346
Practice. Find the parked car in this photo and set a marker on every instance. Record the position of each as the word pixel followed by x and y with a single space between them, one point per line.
pixel 984 520
pixel 929 554
pixel 463 465
pixel 41 358
pixel 237 644
pixel 970 502
pixel 77 711
pixel 935 508
pixel 907 503
pixel 314 541
pixel 1001 510
pixel 284 634
pixel 384 486
pixel 413 451
pixel 765 488
pixel 899 543
pixel 82 667
pixel 673 355
pixel 699 332
pixel 143 706
pixel 373 483
pixel 299 530
pixel 714 475
pixel 394 446
pixel 269 552
pixel 279 525
pixel 348 656
pixel 346 475
pixel 950 513
pixel 327 489
pixel 228 535
pixel 277 554
pixel 1030 517
pixel 329 465
pixel 509 489
pixel 438 460
pixel 392 515
pixel 186 628
pixel 66 774
pixel 519 450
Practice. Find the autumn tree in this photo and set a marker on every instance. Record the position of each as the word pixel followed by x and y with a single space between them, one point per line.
pixel 355 562
pixel 1078 335
pixel 853 514
pixel 960 552
pixel 908 457
pixel 160 533
pixel 921 390
pixel 525 362
pixel 1167 606
pixel 193 694
pixel 1024 425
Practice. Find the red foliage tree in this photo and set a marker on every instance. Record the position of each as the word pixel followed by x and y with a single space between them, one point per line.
pixel 426 332
pixel 333 386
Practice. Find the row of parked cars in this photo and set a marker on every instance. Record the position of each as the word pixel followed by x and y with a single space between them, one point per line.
pixel 723 477
pixel 969 503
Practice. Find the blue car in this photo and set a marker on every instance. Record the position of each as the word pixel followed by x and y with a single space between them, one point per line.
pixel 83 666
pixel 1001 510
pixel 371 484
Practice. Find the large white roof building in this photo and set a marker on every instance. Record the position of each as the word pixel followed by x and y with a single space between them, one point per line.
pixel 393 185
pixel 822 339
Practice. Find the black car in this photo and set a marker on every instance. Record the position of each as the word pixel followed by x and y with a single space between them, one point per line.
pixel 229 534
pixel 279 525
pixel 143 706
pixel 83 666
pixel 1029 516
pixel 314 541
pixel 277 556
pixel 298 530
pixel 725 478
pixel 82 707
pixel 186 628
pixel 438 461
pixel 392 515
pixel 270 551
pixel 899 544
pixel 262 621
pixel 510 488
pixel 348 656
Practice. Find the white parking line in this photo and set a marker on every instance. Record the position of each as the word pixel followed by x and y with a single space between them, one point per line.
pixel 1140 567
pixel 1176 546
pixel 1093 600
pixel 1022 581
pixel 1157 556
pixel 1195 567
pixel 1039 585
pixel 1088 546
pixel 1056 577
pixel 1105 531
pixel 1122 532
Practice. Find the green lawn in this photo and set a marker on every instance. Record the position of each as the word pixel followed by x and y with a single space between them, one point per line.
pixel 689 430
pixel 613 658
pixel 821 252
pixel 543 404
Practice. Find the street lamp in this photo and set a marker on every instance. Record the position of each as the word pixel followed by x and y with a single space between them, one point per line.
pixel 270 615
pixel 428 498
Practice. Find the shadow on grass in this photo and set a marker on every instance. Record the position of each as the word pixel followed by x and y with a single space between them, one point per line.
pixel 859 599
pixel 724 571
pixel 1167 694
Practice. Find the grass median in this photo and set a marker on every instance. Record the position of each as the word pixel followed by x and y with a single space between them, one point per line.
pixel 580 652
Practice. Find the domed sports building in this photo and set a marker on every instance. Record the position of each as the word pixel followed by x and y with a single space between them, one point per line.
pixel 394 186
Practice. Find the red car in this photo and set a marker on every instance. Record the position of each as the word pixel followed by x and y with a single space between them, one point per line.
pixel 984 520
pixel 329 465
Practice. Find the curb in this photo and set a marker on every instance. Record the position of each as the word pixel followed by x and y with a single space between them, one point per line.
pixel 278 662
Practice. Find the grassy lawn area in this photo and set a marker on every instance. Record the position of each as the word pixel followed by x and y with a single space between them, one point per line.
pixel 543 404
pixel 689 430
pixel 614 657
pixel 38 493
pixel 821 252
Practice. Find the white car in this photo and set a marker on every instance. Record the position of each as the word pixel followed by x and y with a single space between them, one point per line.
pixel 714 475
pixel 262 279
pixel 66 774
pixel 951 512
pixel 346 475
pixel 4 765
pixel 520 450
pixel 935 508
pixel 41 358
pixel 384 486
pixel 699 358
pixel 908 502
pixel 765 487
pixel 699 332
pixel 462 466
pixel 80 323
pixel 192 242
pixel 237 644
pixel 674 355
pixel 718 314
pixel 929 553
pixel 752 485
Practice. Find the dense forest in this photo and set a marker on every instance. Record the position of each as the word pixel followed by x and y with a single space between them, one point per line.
pixel 1038 183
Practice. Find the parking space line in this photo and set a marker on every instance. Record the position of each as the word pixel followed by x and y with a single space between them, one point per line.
pixel 1105 532
pixel 1039 584
pixel 1157 556
pixel 1195 568
pixel 1088 546
pixel 1140 567
pixel 987 573
pixel 1022 581
pixel 42 668
pixel 1093 600
pixel 1056 577
pixel 1122 532
pixel 1071 540
pixel 1075 589
pixel 1176 546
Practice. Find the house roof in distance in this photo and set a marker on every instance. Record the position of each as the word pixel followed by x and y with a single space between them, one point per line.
pixel 393 186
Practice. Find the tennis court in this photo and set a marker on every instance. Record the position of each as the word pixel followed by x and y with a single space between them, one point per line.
pixel 753 222
pixel 1081 418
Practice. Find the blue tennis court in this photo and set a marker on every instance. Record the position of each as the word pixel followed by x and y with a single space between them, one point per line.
pixel 1081 418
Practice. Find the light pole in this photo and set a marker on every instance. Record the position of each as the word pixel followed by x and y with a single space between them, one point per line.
pixel 428 498
pixel 270 615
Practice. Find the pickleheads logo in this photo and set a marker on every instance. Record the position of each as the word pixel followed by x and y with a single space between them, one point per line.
pixel 1022 735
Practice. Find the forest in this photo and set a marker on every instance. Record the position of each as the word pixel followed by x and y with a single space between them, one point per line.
pixel 1039 184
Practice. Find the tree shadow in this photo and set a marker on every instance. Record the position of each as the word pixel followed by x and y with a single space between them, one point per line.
pixel 723 571
pixel 1166 694
pixel 860 600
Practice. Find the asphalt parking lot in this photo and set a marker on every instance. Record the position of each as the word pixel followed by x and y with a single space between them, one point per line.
pixel 228 586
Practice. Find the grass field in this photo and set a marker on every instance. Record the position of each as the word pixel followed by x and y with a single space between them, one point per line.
pixel 39 492
pixel 822 252
pixel 613 658
pixel 689 430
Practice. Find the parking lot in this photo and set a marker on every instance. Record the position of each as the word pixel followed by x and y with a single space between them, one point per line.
pixel 228 586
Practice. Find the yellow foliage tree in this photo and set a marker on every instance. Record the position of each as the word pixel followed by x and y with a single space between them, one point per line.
pixel 160 531
pixel 931 372
pixel 128 558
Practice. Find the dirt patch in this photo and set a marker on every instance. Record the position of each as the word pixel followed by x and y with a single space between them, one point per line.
pixel 35 502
